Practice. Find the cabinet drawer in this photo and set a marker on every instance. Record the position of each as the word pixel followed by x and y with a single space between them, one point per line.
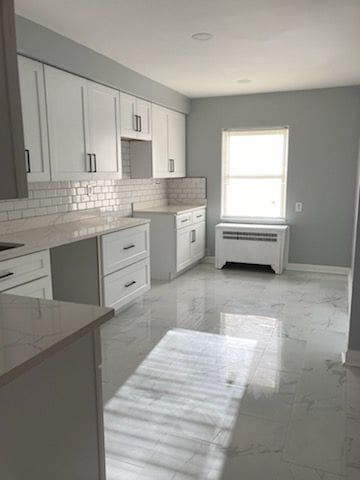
pixel 17 271
pixel 183 220
pixel 120 288
pixel 199 215
pixel 120 249
pixel 40 288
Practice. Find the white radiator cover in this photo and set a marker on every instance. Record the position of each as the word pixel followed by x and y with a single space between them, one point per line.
pixel 259 244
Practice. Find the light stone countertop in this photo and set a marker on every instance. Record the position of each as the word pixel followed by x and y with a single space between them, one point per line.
pixel 60 233
pixel 32 329
pixel 170 209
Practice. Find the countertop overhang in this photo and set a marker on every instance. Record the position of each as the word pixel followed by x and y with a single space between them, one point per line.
pixel 33 329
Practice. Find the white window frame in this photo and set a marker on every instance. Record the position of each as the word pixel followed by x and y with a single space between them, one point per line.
pixel 255 131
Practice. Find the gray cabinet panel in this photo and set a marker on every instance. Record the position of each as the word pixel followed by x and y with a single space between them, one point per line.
pixel 13 182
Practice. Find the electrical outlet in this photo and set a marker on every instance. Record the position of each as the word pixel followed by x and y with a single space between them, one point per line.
pixel 298 207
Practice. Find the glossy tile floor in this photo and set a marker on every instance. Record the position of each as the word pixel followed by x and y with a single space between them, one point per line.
pixel 232 375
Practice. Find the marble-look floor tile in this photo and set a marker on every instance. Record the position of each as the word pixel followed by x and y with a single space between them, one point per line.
pixel 352 453
pixel 255 449
pixel 179 403
pixel 352 392
pixel 285 354
pixel 316 439
pixel 322 388
pixel 270 395
pixel 289 471
pixel 232 375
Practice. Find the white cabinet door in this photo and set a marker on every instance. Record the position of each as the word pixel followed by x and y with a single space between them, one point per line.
pixel 198 241
pixel 160 157
pixel 66 102
pixel 176 143
pixel 32 90
pixel 40 288
pixel 143 111
pixel 128 119
pixel 168 135
pixel 183 248
pixel 104 130
pixel 135 117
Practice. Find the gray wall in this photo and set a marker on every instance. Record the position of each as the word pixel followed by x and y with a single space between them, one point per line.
pixel 40 43
pixel 324 130
pixel 354 277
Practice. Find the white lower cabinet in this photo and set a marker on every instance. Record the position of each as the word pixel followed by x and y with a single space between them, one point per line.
pixel 190 244
pixel 177 241
pixel 125 285
pixel 28 275
pixel 125 265
pixel 123 248
pixel 197 241
pixel 40 288
pixel 183 248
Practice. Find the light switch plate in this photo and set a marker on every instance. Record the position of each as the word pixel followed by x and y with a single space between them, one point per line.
pixel 298 207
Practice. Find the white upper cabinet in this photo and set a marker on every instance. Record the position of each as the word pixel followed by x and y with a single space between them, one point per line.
pixel 66 102
pixel 73 129
pixel 143 111
pixel 32 89
pixel 160 158
pixel 84 127
pixel 128 119
pixel 103 143
pixel 176 139
pixel 168 153
pixel 135 117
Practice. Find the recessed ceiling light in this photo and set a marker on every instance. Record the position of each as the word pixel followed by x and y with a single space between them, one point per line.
pixel 244 80
pixel 202 36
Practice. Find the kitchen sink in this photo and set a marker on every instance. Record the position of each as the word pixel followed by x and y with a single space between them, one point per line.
pixel 7 246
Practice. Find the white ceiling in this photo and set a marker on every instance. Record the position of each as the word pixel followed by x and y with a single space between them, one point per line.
pixel 278 44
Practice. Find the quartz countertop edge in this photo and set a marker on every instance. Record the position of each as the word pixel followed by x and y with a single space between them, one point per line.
pixel 54 235
pixel 169 209
pixel 32 347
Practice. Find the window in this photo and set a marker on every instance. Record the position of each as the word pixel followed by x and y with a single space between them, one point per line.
pixel 254 167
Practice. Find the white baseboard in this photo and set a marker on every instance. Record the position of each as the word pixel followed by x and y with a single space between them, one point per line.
pixel 301 267
pixel 351 358
pixel 304 267
pixel 209 259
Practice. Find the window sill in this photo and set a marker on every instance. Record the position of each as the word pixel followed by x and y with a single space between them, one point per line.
pixel 256 220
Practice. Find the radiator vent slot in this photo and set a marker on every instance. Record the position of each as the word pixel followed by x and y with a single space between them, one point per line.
pixel 250 236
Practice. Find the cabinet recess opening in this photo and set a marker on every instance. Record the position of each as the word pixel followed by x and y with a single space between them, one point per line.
pixel 254 174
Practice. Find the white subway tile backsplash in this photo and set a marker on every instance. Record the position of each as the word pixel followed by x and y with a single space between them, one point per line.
pixel 186 189
pixel 46 198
